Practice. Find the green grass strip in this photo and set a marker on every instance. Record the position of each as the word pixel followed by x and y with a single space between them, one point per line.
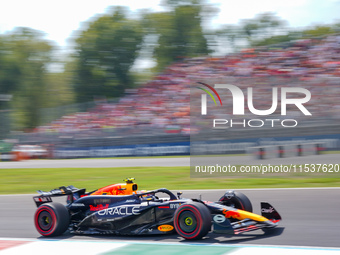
pixel 20 181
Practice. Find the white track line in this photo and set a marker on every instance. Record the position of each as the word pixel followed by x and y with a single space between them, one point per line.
pixel 81 242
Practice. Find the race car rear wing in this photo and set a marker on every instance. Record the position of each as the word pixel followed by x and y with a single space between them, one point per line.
pixel 70 191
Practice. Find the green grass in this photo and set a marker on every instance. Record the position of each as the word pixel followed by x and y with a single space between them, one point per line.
pixel 20 181
pixel 330 152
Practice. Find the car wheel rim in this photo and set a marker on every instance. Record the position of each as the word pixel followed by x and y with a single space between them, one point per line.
pixel 187 222
pixel 45 220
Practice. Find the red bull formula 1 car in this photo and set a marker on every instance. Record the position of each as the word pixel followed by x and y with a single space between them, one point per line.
pixel 123 210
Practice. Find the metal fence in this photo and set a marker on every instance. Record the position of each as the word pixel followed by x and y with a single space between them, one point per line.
pixel 129 136
pixel 101 137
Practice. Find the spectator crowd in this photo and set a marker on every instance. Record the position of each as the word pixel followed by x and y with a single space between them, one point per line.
pixel 163 104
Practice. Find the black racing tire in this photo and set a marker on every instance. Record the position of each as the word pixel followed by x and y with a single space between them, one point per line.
pixel 51 219
pixel 238 201
pixel 192 220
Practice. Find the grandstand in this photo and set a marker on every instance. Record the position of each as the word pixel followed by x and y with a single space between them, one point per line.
pixel 160 109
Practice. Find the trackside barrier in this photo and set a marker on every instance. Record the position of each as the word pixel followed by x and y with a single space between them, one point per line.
pixel 11 156
pixel 285 151
pixel 164 149
pixel 7 157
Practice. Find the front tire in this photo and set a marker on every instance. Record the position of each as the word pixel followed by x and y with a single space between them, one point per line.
pixel 192 220
pixel 238 200
pixel 51 219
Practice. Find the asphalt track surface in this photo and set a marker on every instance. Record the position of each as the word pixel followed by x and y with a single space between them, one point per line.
pixel 310 218
pixel 170 161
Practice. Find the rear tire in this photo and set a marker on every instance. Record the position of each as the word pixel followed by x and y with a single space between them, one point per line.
pixel 238 201
pixel 51 219
pixel 192 220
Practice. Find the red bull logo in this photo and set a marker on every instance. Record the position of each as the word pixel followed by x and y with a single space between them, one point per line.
pixel 98 207
pixel 231 214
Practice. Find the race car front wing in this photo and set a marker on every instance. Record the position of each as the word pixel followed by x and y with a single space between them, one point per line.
pixel 222 225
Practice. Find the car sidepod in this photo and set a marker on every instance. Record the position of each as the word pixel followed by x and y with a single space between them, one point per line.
pixel 135 218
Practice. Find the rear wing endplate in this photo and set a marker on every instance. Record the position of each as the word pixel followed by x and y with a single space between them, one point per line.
pixel 45 197
pixel 269 212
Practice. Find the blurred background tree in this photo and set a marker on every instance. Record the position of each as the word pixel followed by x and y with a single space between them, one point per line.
pixel 24 58
pixel 179 31
pixel 105 53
